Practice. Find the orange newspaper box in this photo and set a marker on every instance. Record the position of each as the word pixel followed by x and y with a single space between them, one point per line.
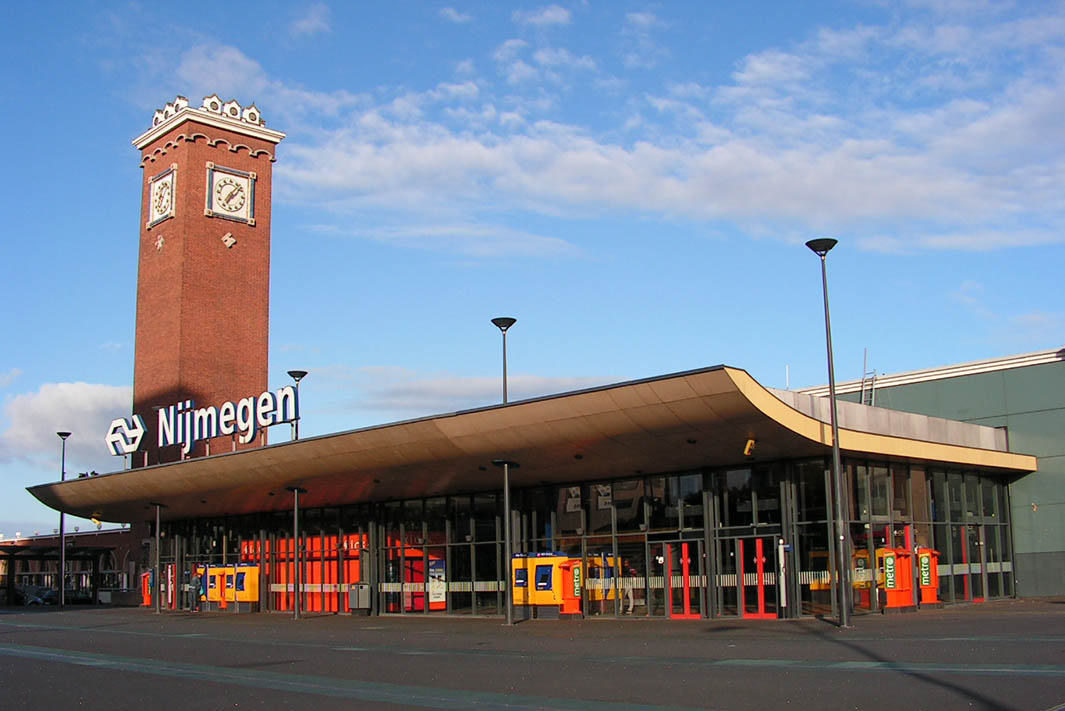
pixel 898 580
pixel 928 576
pixel 146 589
pixel 572 587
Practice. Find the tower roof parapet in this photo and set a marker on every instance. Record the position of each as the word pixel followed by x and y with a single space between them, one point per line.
pixel 230 115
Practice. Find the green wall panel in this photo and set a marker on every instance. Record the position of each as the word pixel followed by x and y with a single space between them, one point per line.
pixel 922 398
pixel 1043 530
pixel 1038 433
pixel 1047 486
pixel 1037 387
pixel 982 395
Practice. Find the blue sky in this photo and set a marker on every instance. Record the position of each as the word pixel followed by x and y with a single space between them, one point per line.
pixel 632 181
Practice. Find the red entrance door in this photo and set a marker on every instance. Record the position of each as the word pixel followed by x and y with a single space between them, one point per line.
pixel 682 574
pixel 757 577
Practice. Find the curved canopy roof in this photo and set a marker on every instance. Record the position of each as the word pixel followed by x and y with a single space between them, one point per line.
pixel 700 418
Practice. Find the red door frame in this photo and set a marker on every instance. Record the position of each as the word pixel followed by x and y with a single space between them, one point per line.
pixel 759 558
pixel 685 569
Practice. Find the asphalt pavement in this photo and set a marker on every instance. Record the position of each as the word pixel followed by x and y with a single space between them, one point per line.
pixel 999 655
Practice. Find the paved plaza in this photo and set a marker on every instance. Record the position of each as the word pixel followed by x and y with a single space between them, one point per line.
pixel 1005 654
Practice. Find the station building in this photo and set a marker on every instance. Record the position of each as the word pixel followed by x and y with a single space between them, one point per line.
pixel 1024 395
pixel 689 495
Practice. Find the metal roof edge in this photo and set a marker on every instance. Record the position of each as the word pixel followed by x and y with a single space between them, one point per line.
pixel 989 365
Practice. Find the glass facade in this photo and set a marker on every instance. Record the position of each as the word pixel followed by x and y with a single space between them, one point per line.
pixel 747 541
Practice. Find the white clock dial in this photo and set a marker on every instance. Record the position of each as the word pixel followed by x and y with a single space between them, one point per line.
pixel 161 197
pixel 230 195
pixel 164 193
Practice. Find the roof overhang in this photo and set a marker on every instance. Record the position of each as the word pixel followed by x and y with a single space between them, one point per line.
pixel 701 418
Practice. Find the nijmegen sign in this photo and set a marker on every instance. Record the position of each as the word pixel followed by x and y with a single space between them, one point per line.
pixel 184 424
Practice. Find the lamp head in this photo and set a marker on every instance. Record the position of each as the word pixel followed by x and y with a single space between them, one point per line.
pixel 504 322
pixel 297 375
pixel 505 462
pixel 821 246
pixel 63 435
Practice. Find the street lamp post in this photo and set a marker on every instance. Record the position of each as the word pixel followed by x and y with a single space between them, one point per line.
pixel 297 375
pixel 821 247
pixel 503 323
pixel 506 464
pixel 296 577
pixel 157 589
pixel 62 531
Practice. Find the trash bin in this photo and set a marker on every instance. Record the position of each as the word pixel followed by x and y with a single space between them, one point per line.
pixel 359 598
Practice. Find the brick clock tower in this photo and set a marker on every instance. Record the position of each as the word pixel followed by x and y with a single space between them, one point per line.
pixel 203 282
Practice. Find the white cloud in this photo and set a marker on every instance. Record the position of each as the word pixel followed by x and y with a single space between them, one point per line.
pixel 452 15
pixel 557 57
pixel 480 240
pixel 772 67
pixel 206 69
pixel 641 50
pixel 84 409
pixel 642 21
pixel 543 17
pixel 314 20
pixel 509 50
pixel 519 72
pixel 784 147
pixel 9 377
pixel 406 392
pixel 819 177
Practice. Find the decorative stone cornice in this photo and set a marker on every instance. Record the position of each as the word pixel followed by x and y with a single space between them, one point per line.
pixel 214 112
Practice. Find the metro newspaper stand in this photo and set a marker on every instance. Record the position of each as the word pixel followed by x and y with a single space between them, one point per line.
pixel 896 565
pixel 546 585
pixel 928 577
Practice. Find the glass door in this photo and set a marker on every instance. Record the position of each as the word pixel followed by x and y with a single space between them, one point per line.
pixel 757 577
pixel 676 581
pixel 977 566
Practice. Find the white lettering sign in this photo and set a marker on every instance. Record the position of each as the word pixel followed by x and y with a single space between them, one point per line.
pixel 184 424
pixel 181 424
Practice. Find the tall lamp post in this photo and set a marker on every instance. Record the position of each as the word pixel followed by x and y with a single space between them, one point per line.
pixel 297 375
pixel 157 589
pixel 62 531
pixel 507 464
pixel 297 579
pixel 503 323
pixel 821 247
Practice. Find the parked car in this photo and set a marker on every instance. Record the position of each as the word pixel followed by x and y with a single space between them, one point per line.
pixel 25 596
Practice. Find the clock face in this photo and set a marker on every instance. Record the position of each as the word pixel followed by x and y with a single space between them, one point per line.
pixel 161 197
pixel 164 193
pixel 230 195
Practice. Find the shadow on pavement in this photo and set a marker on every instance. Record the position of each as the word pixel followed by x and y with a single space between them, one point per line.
pixel 973 697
